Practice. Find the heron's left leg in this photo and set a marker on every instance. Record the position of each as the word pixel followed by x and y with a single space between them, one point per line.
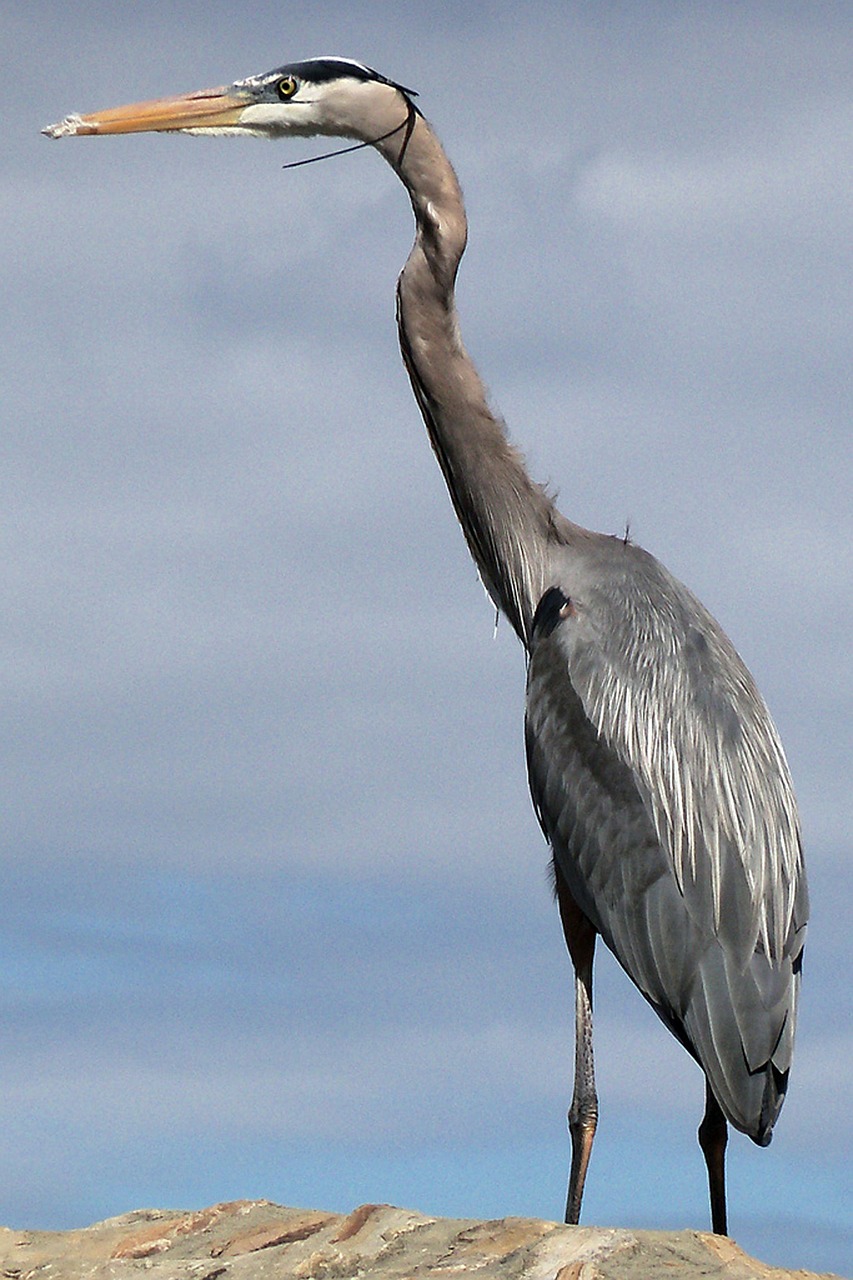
pixel 713 1136
pixel 583 1112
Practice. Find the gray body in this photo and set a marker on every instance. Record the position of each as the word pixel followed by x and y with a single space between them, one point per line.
pixel 656 772
pixel 690 874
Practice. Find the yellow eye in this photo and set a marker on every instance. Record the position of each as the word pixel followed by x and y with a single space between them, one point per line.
pixel 287 87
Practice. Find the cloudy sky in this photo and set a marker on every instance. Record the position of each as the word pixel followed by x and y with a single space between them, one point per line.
pixel 277 919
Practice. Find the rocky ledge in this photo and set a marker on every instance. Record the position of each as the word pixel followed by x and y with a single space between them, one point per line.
pixel 255 1239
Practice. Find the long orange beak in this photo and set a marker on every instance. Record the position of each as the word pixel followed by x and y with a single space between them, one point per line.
pixel 206 109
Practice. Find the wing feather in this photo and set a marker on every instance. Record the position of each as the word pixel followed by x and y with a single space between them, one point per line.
pixel 661 784
pixel 666 690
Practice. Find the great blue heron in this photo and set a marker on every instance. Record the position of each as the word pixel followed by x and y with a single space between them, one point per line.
pixel 655 769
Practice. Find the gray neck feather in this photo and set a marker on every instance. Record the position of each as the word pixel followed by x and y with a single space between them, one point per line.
pixel 508 520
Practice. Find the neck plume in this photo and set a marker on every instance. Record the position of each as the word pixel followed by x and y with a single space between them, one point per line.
pixel 507 519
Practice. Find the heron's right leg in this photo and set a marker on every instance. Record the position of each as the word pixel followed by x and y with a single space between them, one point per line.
pixel 713 1136
pixel 583 1113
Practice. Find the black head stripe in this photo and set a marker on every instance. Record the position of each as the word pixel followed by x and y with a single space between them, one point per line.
pixel 322 70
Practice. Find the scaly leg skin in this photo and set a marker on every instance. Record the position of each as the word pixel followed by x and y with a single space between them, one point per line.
pixel 583 1113
pixel 713 1136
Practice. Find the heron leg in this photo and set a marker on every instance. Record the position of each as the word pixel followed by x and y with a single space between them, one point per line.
pixel 583 1112
pixel 713 1136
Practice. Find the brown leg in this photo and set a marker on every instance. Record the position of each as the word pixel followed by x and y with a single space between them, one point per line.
pixel 713 1136
pixel 583 1113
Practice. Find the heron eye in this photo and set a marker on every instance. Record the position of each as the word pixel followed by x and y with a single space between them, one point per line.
pixel 287 87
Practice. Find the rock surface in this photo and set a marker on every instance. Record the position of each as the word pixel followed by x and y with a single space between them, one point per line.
pixel 255 1239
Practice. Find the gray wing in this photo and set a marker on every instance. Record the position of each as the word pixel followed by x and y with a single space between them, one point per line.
pixel 660 782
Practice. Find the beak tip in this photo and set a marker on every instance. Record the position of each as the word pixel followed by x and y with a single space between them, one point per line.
pixel 67 128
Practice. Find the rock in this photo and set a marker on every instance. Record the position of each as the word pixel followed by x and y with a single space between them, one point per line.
pixel 255 1239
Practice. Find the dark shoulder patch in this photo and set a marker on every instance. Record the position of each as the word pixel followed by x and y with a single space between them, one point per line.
pixel 551 610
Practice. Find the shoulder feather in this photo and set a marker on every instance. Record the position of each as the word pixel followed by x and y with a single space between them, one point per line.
pixel 665 688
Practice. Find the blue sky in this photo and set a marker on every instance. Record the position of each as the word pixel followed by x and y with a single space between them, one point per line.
pixel 277 914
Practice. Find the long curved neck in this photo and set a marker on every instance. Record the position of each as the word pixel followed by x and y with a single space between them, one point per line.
pixel 508 521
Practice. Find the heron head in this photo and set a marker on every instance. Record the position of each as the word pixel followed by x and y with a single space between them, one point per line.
pixel 334 96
